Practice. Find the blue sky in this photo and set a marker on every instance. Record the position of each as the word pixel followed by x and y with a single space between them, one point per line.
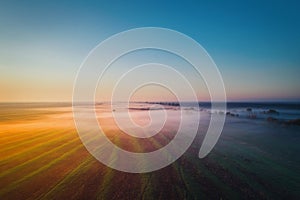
pixel 255 44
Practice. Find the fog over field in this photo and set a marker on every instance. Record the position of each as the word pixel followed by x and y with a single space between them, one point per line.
pixel 42 157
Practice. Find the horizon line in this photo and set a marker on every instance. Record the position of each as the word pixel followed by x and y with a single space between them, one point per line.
pixel 230 101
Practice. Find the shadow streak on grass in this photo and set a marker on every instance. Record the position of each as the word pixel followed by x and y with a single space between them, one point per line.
pixel 41 156
pixel 34 148
pixel 56 137
pixel 62 184
pixel 14 185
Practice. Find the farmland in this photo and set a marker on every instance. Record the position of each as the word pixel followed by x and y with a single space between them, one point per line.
pixel 42 157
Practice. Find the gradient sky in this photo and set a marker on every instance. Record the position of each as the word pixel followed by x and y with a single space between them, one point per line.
pixel 255 44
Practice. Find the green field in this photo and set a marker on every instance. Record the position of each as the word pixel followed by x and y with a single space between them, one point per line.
pixel 42 157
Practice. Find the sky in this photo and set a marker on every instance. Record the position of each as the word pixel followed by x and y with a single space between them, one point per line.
pixel 255 44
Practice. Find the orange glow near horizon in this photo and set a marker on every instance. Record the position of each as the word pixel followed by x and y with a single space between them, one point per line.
pixel 39 144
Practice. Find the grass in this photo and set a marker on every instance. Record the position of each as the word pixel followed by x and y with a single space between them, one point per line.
pixel 42 157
